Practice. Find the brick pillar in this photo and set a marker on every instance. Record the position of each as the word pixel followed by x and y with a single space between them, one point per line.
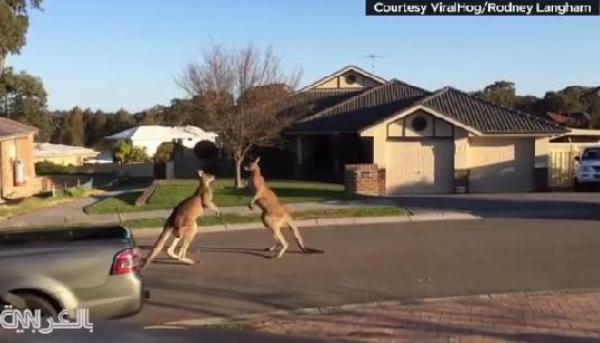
pixel 366 179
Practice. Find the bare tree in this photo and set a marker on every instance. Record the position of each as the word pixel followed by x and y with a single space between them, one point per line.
pixel 243 92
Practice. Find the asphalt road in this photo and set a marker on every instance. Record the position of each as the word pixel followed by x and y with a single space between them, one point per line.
pixel 369 263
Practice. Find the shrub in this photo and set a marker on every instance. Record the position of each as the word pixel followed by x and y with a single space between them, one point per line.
pixel 47 167
pixel 125 152
pixel 206 149
pixel 165 152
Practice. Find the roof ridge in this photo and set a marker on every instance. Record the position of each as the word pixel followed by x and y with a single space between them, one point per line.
pixel 433 95
pixel 510 109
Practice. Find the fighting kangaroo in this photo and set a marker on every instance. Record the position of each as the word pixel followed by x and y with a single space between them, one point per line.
pixel 274 215
pixel 182 222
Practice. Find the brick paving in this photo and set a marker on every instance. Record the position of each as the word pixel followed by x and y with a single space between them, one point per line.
pixel 534 317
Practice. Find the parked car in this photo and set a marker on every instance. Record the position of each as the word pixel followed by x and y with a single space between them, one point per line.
pixel 587 169
pixel 55 270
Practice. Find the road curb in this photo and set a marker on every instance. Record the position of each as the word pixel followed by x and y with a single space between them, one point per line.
pixel 211 321
pixel 328 222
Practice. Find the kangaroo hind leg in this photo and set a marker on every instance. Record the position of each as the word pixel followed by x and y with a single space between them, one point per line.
pixel 279 237
pixel 171 250
pixel 187 238
pixel 297 235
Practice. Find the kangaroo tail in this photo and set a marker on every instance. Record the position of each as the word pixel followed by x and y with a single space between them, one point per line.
pixel 158 245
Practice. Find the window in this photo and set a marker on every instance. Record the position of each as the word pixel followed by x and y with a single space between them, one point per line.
pixel 419 123
pixel 350 79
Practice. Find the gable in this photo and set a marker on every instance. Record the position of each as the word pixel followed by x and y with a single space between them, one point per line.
pixel 350 77
pixel 348 80
pixel 420 124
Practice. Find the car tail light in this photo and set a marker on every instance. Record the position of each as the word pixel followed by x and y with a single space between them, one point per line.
pixel 126 261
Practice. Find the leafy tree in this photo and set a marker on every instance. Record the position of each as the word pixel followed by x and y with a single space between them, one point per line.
pixel 125 152
pixel 73 128
pixel 500 92
pixel 22 96
pixel 165 152
pixel 14 22
pixel 567 100
pixel 95 129
pixel 241 92
pixel 122 120
pixel 152 116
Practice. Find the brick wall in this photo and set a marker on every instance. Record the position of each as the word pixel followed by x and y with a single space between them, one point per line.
pixel 365 179
pixel 21 149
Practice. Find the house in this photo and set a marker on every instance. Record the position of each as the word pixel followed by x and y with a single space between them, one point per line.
pixel 152 136
pixel 419 141
pixel 62 154
pixel 17 171
pixel 578 120
pixel 578 136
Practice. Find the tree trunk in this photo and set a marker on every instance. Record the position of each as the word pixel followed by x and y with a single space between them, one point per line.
pixel 238 171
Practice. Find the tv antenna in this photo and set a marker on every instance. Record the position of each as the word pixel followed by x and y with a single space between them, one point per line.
pixel 372 57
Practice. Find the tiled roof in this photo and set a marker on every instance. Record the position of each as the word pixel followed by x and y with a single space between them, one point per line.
pixel 11 128
pixel 316 100
pixel 360 111
pixel 486 117
pixel 381 102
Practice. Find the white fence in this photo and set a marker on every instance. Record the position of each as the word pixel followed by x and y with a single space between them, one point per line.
pixel 562 163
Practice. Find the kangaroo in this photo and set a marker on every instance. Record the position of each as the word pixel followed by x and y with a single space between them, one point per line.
pixel 275 214
pixel 182 222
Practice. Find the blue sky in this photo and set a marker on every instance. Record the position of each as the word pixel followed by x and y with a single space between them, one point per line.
pixel 112 54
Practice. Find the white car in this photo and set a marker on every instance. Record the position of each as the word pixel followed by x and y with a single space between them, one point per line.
pixel 587 168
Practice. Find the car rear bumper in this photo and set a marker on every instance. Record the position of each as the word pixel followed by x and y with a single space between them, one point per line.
pixel 120 296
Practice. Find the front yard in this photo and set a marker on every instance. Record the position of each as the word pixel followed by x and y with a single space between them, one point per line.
pixel 170 193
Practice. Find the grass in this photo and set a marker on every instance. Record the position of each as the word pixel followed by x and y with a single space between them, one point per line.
pixel 38 202
pixel 300 215
pixel 170 193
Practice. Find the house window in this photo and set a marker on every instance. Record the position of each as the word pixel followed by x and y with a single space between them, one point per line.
pixel 350 79
pixel 419 124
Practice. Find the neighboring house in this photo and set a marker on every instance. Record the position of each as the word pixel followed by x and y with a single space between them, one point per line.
pixel 578 120
pixel 427 142
pixel 578 136
pixel 62 154
pixel 152 136
pixel 17 171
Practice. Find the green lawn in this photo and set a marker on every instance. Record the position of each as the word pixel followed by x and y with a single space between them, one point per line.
pixel 300 215
pixel 169 194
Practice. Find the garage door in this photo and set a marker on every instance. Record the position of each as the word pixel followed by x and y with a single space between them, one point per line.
pixel 501 164
pixel 425 166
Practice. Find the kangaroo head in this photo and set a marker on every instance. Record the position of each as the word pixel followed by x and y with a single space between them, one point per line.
pixel 252 166
pixel 205 178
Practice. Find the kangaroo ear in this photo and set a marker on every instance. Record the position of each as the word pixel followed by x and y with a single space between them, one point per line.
pixel 257 160
pixel 200 172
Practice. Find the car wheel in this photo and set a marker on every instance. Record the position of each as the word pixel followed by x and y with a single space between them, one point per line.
pixel 35 302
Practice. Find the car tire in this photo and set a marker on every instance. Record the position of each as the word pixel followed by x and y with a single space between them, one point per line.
pixel 35 302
